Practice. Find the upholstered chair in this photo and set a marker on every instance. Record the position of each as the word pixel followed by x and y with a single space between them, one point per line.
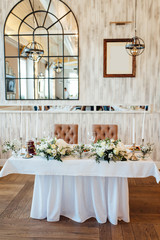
pixel 105 131
pixel 67 132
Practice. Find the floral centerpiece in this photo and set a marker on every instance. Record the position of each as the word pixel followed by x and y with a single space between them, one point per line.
pixel 146 149
pixel 14 146
pixel 52 148
pixel 80 149
pixel 109 150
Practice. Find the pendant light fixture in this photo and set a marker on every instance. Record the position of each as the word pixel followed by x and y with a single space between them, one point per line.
pixel 34 50
pixel 136 46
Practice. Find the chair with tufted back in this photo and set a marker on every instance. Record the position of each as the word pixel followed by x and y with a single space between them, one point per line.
pixel 67 132
pixel 105 131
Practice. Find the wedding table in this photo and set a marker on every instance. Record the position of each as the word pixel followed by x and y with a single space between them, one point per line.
pixel 80 188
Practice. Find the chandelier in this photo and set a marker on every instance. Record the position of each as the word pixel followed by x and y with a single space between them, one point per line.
pixel 34 51
pixel 136 46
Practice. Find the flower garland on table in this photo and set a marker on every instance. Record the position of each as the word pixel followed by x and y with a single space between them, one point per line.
pixel 109 150
pixel 52 148
pixel 14 145
pixel 80 149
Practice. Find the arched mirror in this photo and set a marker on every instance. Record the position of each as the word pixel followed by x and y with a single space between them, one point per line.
pixel 41 51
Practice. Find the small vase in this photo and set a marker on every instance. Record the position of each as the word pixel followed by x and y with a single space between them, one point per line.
pixel 144 155
pixel 81 155
pixel 14 153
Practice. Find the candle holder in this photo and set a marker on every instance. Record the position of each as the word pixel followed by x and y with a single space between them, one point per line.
pixel 133 156
pixel 27 154
pixel 142 141
pixel 21 146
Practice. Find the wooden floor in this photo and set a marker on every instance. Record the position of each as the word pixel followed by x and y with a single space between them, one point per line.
pixel 15 223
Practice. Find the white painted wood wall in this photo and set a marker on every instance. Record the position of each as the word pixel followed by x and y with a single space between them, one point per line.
pixel 93 17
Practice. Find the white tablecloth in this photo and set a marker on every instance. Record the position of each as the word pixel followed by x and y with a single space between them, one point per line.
pixel 80 167
pixel 81 188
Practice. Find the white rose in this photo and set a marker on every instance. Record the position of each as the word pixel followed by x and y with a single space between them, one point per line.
pixel 103 144
pixel 61 144
pixel 110 155
pixel 53 146
pixel 100 152
pixel 110 146
pixel 49 151
pixel 116 151
pixel 41 147
pixel 53 152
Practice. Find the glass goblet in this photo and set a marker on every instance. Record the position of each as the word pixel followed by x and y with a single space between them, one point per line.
pixel 91 137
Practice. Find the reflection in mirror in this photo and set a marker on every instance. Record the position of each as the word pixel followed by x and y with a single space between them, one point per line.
pixel 56 45
pixel 40 4
pixel 71 45
pixel 11 47
pixel 68 108
pixel 71 89
pixel 11 87
pixel 12 67
pixel 56 67
pixel 59 89
pixel 56 108
pixel 27 88
pixel 54 27
pixel 71 67
pixel 103 108
pixel 69 23
pixel 52 89
pixel 130 108
pixel 119 108
pixel 41 87
pixel 20 108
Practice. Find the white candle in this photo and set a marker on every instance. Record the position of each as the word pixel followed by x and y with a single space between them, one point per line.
pixel 143 123
pixel 133 134
pixel 27 129
pixel 37 123
pixel 21 124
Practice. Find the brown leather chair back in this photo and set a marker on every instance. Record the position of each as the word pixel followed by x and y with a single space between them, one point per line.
pixel 105 131
pixel 67 132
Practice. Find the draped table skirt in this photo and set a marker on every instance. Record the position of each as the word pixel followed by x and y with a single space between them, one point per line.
pixel 80 188
pixel 80 198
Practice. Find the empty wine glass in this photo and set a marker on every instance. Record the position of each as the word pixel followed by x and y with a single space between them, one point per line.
pixel 91 137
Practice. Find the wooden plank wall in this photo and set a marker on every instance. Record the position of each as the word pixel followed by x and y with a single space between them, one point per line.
pixel 93 18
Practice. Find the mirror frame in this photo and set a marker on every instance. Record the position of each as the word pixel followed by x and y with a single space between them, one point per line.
pixel 105 59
